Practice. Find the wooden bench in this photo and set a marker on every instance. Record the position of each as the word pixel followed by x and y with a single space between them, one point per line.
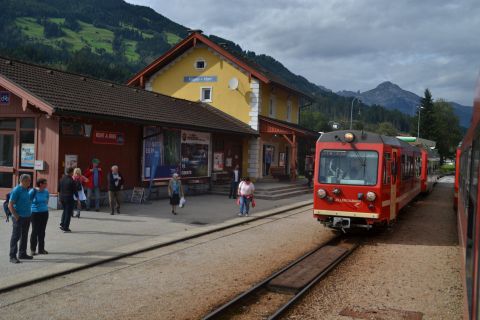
pixel 279 173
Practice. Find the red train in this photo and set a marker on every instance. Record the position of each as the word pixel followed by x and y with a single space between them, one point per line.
pixel 468 213
pixel 363 179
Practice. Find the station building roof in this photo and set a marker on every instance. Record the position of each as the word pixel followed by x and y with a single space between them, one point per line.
pixel 66 94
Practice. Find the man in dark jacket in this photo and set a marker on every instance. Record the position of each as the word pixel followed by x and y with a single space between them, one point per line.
pixel 66 190
pixel 115 185
pixel 234 181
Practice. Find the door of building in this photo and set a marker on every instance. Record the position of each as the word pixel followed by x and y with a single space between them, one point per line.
pixel 7 162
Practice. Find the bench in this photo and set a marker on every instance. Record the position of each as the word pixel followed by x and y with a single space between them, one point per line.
pixel 279 173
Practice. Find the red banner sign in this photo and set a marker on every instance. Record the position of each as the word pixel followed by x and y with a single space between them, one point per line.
pixel 106 137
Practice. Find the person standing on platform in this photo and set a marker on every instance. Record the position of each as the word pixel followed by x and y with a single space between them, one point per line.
pixel 80 181
pixel 235 180
pixel 39 217
pixel 246 189
pixel 115 185
pixel 175 192
pixel 94 175
pixel 67 190
pixel 20 205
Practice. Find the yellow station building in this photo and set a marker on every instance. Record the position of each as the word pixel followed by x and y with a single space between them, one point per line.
pixel 198 69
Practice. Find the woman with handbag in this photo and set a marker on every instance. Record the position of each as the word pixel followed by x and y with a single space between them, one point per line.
pixel 246 189
pixel 79 180
pixel 175 192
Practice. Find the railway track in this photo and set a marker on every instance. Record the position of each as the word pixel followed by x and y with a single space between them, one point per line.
pixel 273 296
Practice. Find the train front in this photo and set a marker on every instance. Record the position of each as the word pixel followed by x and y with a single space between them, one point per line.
pixel 347 192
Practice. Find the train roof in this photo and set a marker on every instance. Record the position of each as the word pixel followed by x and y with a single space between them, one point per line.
pixel 366 137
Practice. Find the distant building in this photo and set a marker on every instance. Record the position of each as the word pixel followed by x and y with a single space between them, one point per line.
pixel 199 69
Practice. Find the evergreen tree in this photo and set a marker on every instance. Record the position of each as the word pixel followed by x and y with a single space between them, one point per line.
pixel 427 123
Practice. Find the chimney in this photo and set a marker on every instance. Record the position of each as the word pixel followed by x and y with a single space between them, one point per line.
pixel 191 31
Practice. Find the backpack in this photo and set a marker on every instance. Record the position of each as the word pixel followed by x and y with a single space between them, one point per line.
pixel 5 206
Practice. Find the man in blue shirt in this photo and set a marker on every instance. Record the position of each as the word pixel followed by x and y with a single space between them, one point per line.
pixel 20 206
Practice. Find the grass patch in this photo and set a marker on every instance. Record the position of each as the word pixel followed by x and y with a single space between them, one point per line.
pixel 30 27
pixel 130 50
pixel 172 38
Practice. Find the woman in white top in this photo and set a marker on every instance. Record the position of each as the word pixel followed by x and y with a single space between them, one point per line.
pixel 246 189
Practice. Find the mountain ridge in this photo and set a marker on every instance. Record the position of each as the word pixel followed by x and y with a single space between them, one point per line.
pixel 392 96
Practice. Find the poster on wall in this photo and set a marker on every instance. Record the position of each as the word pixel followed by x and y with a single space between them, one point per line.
pixel 281 159
pixel 27 155
pixel 218 161
pixel 195 148
pixel 161 153
pixel 71 161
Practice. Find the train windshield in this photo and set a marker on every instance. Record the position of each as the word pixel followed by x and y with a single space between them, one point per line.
pixel 348 167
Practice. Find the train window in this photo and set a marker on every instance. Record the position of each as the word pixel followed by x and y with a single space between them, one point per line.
pixel 418 166
pixel 348 167
pixel 386 172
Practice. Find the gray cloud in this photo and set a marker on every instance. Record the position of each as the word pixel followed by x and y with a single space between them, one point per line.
pixel 351 44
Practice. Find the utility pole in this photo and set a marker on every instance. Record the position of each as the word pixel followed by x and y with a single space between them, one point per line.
pixel 418 125
pixel 351 111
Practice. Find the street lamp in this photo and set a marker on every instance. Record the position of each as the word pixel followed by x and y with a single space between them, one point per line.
pixel 418 125
pixel 351 111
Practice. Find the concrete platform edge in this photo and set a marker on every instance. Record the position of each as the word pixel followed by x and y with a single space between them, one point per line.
pixel 160 242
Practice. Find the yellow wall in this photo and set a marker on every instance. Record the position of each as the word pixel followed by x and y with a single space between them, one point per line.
pixel 280 97
pixel 234 102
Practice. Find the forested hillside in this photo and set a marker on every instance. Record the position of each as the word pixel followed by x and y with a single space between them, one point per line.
pixel 111 39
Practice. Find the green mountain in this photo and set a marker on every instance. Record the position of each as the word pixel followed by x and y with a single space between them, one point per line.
pixel 111 39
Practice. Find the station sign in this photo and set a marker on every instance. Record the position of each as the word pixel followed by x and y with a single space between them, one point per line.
pixel 4 98
pixel 200 79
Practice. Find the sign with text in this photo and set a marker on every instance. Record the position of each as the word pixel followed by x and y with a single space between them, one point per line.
pixel 4 98
pixel 27 155
pixel 200 79
pixel 107 137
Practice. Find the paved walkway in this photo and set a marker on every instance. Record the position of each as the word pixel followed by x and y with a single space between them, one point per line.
pixel 98 235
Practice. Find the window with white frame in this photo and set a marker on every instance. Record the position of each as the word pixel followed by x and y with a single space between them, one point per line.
pixel 289 110
pixel 271 106
pixel 200 64
pixel 206 94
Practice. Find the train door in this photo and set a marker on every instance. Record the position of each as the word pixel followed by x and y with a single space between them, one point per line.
pixel 393 185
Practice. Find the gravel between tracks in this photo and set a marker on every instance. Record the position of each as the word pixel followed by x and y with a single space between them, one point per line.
pixel 182 284
pixel 413 267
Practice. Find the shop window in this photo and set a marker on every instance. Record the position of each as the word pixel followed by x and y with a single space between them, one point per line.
pixel 27 143
pixel 8 124
pixel 6 179
pixel 206 94
pixel 200 64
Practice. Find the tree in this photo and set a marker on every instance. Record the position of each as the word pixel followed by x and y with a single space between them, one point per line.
pixel 313 120
pixel 427 125
pixel 447 132
pixel 386 128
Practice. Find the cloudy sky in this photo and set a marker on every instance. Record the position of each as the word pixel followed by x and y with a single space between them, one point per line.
pixel 351 44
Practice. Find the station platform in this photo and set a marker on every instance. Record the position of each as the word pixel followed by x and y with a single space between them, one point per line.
pixel 99 236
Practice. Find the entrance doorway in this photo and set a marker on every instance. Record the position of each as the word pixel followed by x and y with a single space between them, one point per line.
pixel 7 161
pixel 287 160
pixel 268 158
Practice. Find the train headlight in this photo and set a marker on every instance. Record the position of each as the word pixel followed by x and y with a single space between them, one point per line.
pixel 321 193
pixel 371 196
pixel 349 137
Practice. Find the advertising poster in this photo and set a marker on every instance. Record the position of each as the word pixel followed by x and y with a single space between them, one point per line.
pixel 161 153
pixel 71 161
pixel 281 159
pixel 218 161
pixel 27 155
pixel 195 146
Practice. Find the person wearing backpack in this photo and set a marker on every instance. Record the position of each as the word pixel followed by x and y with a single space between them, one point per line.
pixel 39 217
pixel 20 205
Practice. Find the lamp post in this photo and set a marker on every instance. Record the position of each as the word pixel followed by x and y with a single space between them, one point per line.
pixel 418 125
pixel 351 112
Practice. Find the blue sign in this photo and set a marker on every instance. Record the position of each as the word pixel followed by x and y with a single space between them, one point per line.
pixel 4 98
pixel 200 79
